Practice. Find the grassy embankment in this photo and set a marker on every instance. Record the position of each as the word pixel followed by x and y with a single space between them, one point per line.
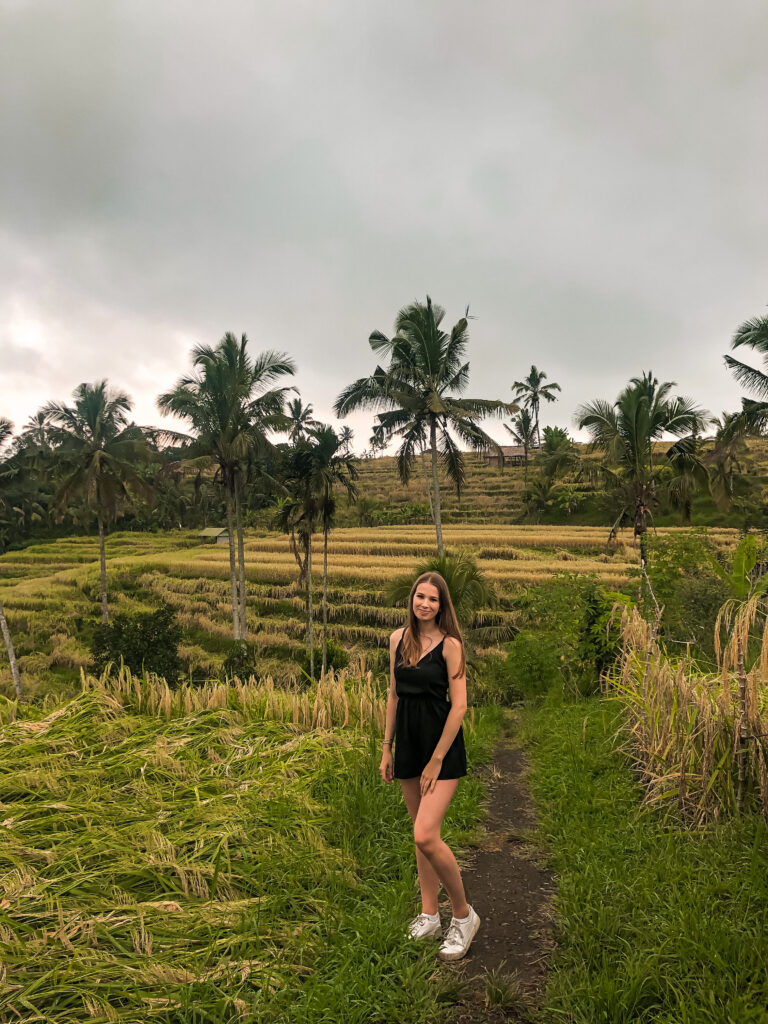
pixel 493 495
pixel 50 591
pixel 215 855
pixel 658 923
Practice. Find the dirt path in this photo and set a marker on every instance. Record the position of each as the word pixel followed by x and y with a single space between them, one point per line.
pixel 505 968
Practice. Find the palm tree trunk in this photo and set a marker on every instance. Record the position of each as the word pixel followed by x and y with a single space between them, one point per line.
pixel 742 733
pixel 525 466
pixel 232 566
pixel 310 629
pixel 325 599
pixel 241 564
pixel 436 489
pixel 103 566
pixel 427 488
pixel 11 653
pixel 640 531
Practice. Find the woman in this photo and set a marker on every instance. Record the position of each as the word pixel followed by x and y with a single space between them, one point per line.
pixel 427 663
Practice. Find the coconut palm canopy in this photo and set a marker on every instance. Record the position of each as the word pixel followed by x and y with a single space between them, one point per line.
pixel 97 447
pixel 418 395
pixel 624 431
pixel 751 334
pixel 530 392
pixel 232 407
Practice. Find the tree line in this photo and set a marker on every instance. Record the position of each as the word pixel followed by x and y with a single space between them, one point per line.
pixel 75 467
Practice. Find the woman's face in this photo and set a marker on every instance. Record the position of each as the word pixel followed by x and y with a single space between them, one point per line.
pixel 426 602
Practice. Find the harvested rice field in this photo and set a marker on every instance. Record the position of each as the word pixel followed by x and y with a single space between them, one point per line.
pixel 209 854
pixel 50 591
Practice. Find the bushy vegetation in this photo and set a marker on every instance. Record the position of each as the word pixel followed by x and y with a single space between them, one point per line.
pixel 146 642
pixel 569 636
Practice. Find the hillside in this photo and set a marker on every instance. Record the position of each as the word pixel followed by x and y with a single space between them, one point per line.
pixel 493 495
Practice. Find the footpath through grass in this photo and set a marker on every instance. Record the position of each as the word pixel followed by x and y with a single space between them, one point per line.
pixel 208 868
pixel 656 923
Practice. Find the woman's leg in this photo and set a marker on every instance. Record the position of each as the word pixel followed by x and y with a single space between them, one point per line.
pixel 426 834
pixel 429 883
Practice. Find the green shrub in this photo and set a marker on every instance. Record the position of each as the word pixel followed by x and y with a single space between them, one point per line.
pixel 490 681
pixel 689 590
pixel 570 636
pixel 240 660
pixel 337 658
pixel 535 662
pixel 146 642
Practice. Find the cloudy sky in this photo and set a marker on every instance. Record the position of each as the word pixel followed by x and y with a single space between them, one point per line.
pixel 589 175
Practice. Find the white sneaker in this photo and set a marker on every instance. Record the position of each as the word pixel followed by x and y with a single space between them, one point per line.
pixel 459 937
pixel 422 927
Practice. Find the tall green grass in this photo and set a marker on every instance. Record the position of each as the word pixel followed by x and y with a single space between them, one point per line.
pixel 211 866
pixel 656 922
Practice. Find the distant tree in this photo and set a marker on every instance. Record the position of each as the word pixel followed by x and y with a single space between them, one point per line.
pixel 332 467
pixel 754 415
pixel 297 514
pixel 530 391
pixel 724 459
pixel 687 473
pixel 97 451
pixel 231 407
pixel 558 455
pixel 624 431
pixel 539 495
pixel 418 392
pixel 523 431
pixel 6 432
pixel 300 418
pixel 345 438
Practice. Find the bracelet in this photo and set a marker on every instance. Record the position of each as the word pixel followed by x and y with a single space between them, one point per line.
pixel 386 743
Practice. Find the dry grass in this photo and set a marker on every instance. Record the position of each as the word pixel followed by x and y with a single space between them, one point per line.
pixel 684 727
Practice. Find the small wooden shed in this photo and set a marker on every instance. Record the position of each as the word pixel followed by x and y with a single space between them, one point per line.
pixel 216 534
pixel 514 455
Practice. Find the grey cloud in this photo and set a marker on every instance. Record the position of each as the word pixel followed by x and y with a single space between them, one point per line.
pixel 590 176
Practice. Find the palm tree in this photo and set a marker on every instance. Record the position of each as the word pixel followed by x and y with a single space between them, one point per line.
pixel 97 449
pixel 624 431
pixel 523 431
pixel 687 473
pixel 345 439
pixel 417 393
pixel 723 460
pixel 297 514
pixel 300 418
pixel 558 455
pixel 752 334
pixel 231 408
pixel 332 467
pixel 6 431
pixel 530 390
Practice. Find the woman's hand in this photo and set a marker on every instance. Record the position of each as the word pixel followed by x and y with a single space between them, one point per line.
pixel 387 767
pixel 430 774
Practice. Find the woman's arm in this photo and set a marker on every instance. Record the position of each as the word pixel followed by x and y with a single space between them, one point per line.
pixel 458 691
pixel 387 764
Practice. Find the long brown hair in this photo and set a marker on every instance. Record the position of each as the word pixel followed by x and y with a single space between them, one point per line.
pixel 445 620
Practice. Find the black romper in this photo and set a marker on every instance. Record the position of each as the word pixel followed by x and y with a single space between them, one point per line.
pixel 422 709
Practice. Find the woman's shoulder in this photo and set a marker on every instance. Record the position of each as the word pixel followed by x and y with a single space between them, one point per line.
pixel 452 644
pixel 396 636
